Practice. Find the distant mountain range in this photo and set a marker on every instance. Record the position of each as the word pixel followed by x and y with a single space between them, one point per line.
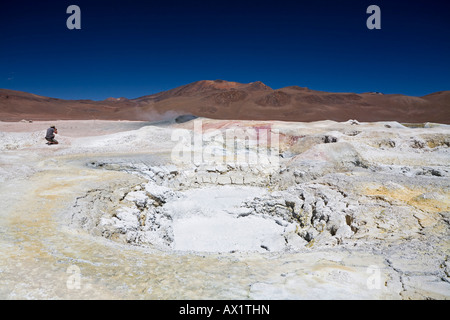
pixel 221 99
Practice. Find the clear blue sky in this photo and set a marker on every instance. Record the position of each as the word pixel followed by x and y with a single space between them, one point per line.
pixel 134 48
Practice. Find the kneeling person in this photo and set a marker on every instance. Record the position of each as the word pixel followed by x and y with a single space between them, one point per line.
pixel 50 136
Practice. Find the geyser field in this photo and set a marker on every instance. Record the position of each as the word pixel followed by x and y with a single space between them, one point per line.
pixel 327 210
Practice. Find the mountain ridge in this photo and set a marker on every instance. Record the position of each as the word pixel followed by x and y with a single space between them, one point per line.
pixel 220 99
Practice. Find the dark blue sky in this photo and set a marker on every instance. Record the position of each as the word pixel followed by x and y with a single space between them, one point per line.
pixel 134 48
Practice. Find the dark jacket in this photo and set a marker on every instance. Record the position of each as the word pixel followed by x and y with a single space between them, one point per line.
pixel 50 133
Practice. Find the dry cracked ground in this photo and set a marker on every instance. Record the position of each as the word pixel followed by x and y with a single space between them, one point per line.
pixel 333 211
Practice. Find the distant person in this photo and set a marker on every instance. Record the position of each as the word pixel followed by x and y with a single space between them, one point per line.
pixel 50 136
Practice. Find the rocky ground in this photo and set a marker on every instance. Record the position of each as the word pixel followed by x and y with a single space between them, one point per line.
pixel 342 210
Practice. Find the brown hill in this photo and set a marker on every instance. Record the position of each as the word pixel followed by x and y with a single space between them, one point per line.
pixel 232 100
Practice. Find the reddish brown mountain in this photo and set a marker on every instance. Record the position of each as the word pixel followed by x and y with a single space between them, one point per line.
pixel 231 100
